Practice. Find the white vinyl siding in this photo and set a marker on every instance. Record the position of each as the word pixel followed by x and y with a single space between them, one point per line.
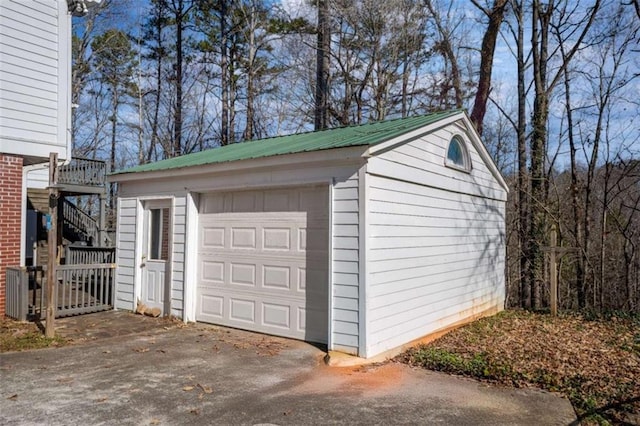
pixel 345 266
pixel 435 258
pixel 126 253
pixel 422 162
pixel 435 241
pixel 178 255
pixel 38 178
pixel 34 77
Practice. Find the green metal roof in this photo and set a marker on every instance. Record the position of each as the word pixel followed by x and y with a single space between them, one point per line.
pixel 365 134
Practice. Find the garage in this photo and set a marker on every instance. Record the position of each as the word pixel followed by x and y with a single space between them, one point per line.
pixel 262 261
pixel 363 238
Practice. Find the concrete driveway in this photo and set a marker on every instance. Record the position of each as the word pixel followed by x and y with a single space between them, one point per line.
pixel 202 374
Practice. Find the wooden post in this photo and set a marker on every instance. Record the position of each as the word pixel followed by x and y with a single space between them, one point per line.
pixel 52 240
pixel 102 235
pixel 553 272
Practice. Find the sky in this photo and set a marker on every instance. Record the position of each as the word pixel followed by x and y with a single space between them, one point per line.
pixel 504 72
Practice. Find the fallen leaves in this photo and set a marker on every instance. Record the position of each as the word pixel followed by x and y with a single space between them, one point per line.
pixel 595 363
pixel 204 389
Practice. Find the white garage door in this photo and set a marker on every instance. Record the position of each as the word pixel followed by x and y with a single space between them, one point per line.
pixel 263 261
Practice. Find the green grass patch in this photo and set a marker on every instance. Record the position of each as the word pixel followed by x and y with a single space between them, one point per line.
pixel 22 336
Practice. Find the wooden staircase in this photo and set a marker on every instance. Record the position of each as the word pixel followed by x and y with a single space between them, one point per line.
pixel 81 177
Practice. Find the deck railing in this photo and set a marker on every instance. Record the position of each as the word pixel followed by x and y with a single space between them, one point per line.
pixel 83 171
pixel 82 289
pixel 86 255
pixel 79 289
pixel 17 293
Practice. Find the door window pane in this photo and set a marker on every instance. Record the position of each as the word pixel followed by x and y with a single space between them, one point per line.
pixel 159 234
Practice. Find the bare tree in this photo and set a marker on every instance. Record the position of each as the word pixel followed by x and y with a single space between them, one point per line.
pixel 544 84
pixel 323 51
pixel 495 15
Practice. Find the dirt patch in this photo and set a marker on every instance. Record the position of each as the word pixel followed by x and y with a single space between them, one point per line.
pixel 263 345
pixel 102 325
pixel 369 379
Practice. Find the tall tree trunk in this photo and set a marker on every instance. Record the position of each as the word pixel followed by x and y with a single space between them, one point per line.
pixel 537 215
pixel 405 86
pixel 224 74
pixel 251 72
pixel 575 191
pixel 322 66
pixel 177 113
pixel 523 192
pixel 495 15
pixel 153 142
pixel 112 155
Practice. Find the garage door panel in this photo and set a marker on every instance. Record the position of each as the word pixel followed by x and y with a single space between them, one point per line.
pixel 243 238
pixel 211 305
pixel 212 237
pixel 276 315
pixel 243 274
pixel 242 310
pixel 268 270
pixel 263 261
pixel 276 277
pixel 276 238
pixel 281 316
pixel 213 271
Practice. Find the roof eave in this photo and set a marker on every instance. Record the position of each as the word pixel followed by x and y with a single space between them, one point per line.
pixel 415 134
pixel 351 154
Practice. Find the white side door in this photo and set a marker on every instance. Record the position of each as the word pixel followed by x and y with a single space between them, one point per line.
pixel 156 255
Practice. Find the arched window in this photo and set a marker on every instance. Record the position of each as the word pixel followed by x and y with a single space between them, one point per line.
pixel 457 155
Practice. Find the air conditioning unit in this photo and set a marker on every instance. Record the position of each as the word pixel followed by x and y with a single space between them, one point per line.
pixel 81 7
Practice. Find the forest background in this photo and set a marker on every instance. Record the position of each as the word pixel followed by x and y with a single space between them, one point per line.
pixel 553 87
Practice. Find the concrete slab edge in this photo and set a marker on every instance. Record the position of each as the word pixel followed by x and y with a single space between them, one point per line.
pixel 340 359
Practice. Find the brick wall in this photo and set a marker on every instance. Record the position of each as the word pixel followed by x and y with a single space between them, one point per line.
pixel 10 218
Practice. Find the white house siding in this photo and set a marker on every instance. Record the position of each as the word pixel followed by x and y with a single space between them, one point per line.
pixel 178 255
pixel 38 178
pixel 34 88
pixel 342 171
pixel 345 266
pixel 126 253
pixel 435 242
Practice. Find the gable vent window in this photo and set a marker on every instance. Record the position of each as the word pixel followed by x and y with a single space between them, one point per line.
pixel 457 155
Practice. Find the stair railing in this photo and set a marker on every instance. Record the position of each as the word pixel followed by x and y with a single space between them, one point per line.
pixel 80 222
